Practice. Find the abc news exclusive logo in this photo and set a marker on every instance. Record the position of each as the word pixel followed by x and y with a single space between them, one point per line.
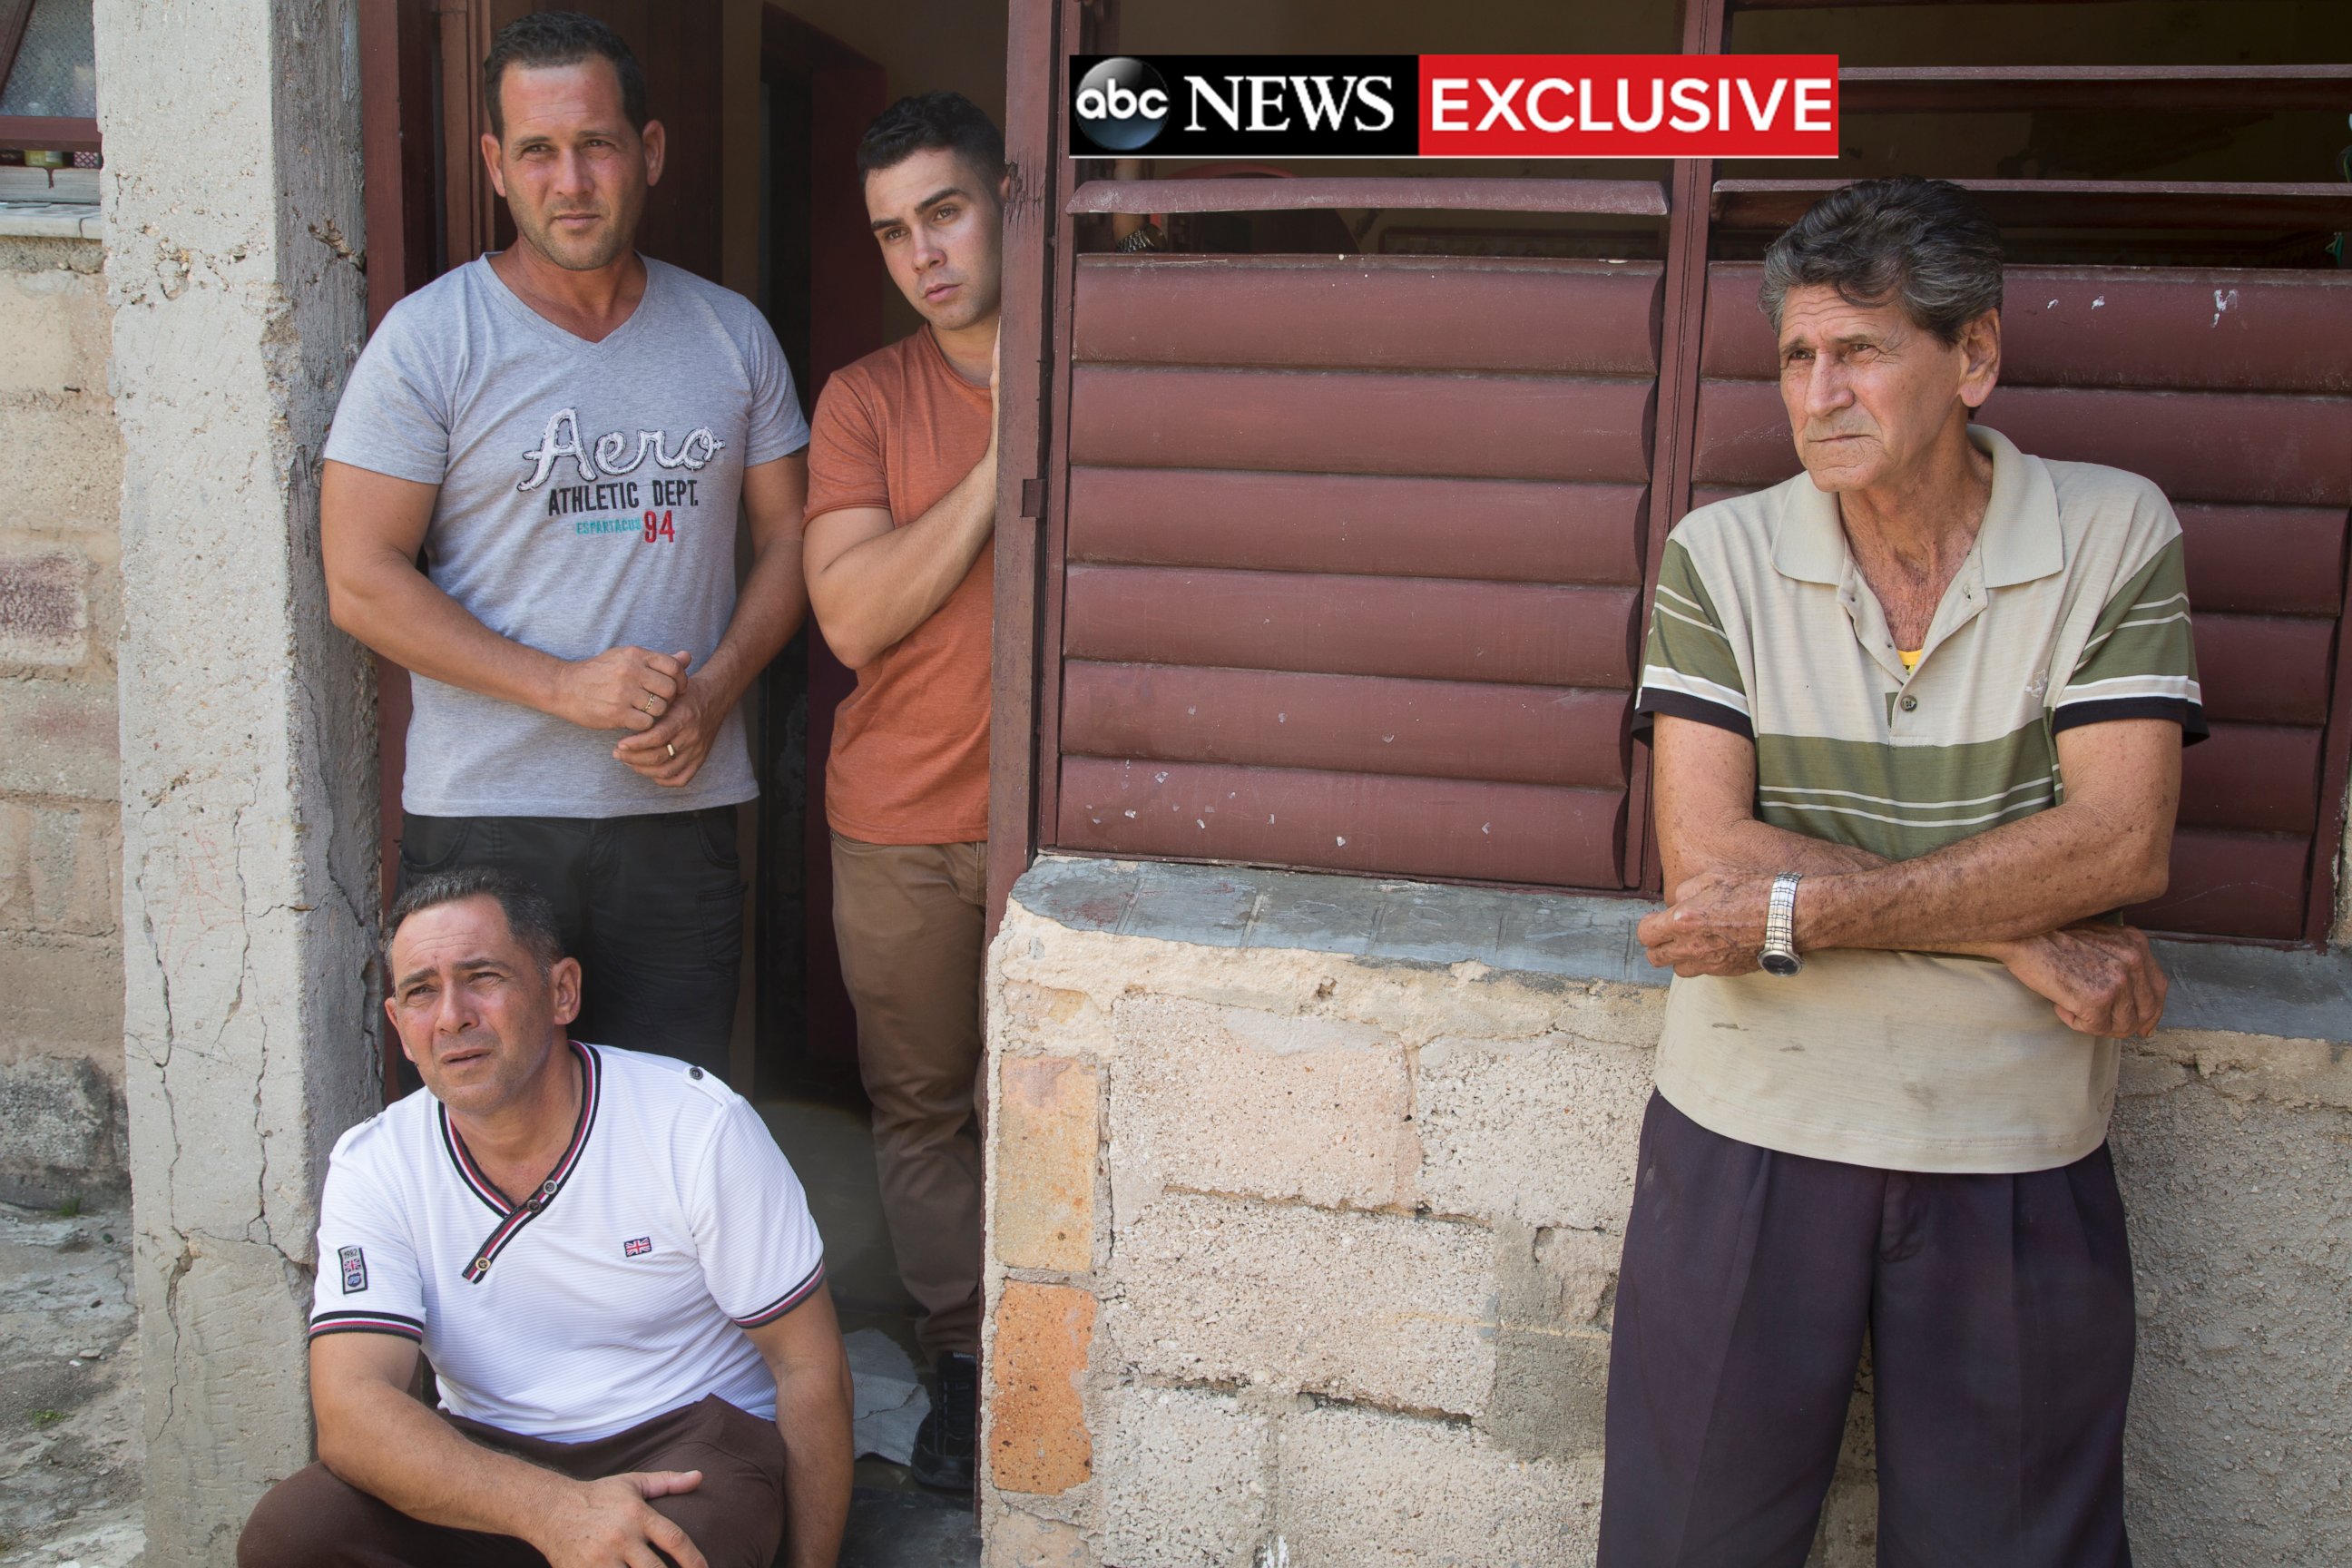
pixel 1224 106
pixel 1455 106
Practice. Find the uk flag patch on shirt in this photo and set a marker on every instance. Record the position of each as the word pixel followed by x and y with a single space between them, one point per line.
pixel 354 1269
pixel 637 1247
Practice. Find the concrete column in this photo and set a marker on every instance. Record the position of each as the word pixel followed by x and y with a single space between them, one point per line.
pixel 233 221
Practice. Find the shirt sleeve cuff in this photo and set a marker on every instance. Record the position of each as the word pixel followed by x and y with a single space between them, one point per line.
pixel 791 444
pixel 2190 716
pixel 1682 705
pixel 785 1302
pixel 407 1328
pixel 416 471
pixel 817 509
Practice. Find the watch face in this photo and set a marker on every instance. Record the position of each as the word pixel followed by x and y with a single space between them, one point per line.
pixel 1780 963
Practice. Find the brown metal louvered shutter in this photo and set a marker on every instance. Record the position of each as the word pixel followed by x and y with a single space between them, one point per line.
pixel 1354 554
pixel 2229 390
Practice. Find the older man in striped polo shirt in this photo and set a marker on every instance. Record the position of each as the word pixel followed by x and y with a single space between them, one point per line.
pixel 1917 720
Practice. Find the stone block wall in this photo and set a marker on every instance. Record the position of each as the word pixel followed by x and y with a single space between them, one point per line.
pixel 1307 1197
pixel 62 1118
pixel 1298 1258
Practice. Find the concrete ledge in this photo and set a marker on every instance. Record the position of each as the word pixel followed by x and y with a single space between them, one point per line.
pixel 2280 992
pixel 2219 987
pixel 1581 937
pixel 50 220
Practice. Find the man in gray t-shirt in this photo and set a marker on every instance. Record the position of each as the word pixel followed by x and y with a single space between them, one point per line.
pixel 565 431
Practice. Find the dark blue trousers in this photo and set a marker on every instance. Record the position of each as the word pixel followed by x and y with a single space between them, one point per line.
pixel 1998 1310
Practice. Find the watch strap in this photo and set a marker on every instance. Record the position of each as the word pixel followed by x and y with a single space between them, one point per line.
pixel 1781 915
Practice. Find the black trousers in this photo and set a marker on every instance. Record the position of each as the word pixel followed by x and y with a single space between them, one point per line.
pixel 2000 1316
pixel 651 906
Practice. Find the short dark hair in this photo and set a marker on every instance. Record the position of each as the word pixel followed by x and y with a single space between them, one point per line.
pixel 550 38
pixel 1926 245
pixel 946 122
pixel 530 917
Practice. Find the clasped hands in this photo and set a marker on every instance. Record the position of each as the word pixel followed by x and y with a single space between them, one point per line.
pixel 672 720
pixel 2102 979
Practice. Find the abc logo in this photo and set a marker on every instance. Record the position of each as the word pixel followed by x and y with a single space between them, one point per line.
pixel 1122 104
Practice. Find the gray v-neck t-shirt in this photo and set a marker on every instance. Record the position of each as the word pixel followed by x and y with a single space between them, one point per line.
pixel 588 501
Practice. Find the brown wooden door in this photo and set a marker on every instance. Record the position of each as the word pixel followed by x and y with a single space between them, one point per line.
pixel 824 292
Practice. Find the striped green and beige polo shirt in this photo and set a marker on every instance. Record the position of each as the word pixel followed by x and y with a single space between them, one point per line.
pixel 2071 609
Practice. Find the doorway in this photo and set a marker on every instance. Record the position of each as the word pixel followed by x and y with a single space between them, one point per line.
pixel 816 97
pixel 824 290
pixel 764 112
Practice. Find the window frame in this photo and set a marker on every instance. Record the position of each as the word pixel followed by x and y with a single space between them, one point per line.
pixel 24 132
pixel 1052 189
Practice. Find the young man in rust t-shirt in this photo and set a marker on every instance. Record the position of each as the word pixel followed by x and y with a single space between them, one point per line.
pixel 900 559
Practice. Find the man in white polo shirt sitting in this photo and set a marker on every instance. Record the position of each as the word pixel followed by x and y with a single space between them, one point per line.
pixel 610 1266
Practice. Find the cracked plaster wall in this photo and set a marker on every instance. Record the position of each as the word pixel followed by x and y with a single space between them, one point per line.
pixel 247 723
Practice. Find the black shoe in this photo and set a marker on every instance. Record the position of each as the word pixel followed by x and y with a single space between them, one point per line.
pixel 945 1442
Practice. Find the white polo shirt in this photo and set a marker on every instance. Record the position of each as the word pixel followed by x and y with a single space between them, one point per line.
pixel 618 1292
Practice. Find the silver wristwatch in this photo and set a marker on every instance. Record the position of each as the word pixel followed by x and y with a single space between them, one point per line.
pixel 1778 955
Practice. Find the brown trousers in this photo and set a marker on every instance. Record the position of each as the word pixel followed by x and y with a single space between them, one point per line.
pixel 735 1518
pixel 908 919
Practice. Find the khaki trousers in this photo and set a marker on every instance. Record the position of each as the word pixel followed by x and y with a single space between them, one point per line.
pixel 908 919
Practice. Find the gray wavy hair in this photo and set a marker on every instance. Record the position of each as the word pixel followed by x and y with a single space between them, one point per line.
pixel 1925 245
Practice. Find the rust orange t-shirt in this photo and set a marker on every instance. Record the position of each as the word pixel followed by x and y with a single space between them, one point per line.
pixel 909 762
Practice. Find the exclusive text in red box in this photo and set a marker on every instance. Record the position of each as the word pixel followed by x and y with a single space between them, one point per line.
pixel 1629 106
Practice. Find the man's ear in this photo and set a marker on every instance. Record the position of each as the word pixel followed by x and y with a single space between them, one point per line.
pixel 564 976
pixel 656 145
pixel 1980 358
pixel 391 1017
pixel 490 162
pixel 1004 186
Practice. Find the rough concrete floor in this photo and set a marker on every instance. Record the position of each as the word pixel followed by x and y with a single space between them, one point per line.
pixel 893 1522
pixel 912 1529
pixel 69 1435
